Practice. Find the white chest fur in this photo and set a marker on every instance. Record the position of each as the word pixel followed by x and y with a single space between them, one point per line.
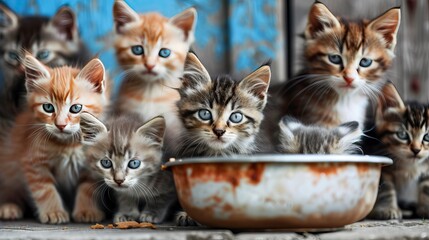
pixel 352 108
pixel 67 166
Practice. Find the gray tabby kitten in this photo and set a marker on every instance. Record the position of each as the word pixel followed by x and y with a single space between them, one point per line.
pixel 297 138
pixel 403 130
pixel 221 116
pixel 128 158
pixel 53 41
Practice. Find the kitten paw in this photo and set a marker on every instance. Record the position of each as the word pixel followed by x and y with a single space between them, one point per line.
pixel 149 217
pixel 423 211
pixel 10 211
pixel 183 219
pixel 54 217
pixel 88 216
pixel 385 214
pixel 121 217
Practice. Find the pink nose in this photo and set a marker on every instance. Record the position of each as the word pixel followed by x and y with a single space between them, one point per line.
pixel 149 67
pixel 60 127
pixel 348 80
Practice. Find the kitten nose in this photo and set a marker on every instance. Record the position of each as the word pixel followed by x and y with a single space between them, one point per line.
pixel 119 181
pixel 415 150
pixel 60 127
pixel 219 132
pixel 149 67
pixel 348 80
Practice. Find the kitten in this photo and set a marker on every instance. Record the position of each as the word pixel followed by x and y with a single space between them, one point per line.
pixel 45 154
pixel 221 116
pixel 53 41
pixel 128 158
pixel 402 129
pixel 344 67
pixel 296 138
pixel 152 51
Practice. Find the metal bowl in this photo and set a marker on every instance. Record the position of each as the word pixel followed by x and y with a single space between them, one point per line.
pixel 278 191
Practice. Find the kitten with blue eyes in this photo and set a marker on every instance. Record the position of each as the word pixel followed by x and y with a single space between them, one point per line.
pixel 221 116
pixel 344 66
pixel 403 132
pixel 152 50
pixel 53 41
pixel 127 156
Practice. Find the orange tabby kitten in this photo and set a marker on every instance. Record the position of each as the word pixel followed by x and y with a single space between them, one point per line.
pixel 45 155
pixel 152 50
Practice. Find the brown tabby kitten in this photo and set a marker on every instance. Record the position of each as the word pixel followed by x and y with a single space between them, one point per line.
pixel 128 158
pixel 403 131
pixel 45 154
pixel 221 116
pixel 344 65
pixel 53 41
pixel 296 138
pixel 152 51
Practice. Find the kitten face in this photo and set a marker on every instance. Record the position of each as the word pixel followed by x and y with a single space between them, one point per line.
pixel 57 96
pixel 350 56
pixel 403 127
pixel 54 42
pixel 222 115
pixel 296 138
pixel 125 154
pixel 150 45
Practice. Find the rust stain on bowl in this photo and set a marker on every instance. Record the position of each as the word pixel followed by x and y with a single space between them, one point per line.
pixel 325 169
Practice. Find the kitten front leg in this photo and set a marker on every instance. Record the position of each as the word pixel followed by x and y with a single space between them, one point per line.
pixel 386 206
pixel 423 201
pixel 128 208
pixel 156 210
pixel 86 208
pixel 45 195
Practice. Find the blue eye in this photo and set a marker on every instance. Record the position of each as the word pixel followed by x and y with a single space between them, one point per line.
pixel 164 52
pixel 365 62
pixel 106 163
pixel 426 137
pixel 236 117
pixel 204 114
pixel 43 55
pixel 133 164
pixel 402 135
pixel 13 55
pixel 75 108
pixel 49 108
pixel 137 50
pixel 335 59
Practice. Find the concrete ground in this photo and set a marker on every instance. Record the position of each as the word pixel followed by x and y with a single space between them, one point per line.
pixel 407 229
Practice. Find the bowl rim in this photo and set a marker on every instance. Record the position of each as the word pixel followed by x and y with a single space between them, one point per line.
pixel 284 158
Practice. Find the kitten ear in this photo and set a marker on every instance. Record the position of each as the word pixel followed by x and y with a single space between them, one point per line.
pixel 8 19
pixel 257 82
pixel 34 71
pixel 390 98
pixel 320 19
pixel 287 126
pixel 94 73
pixel 387 26
pixel 349 133
pixel 153 129
pixel 186 21
pixel 194 72
pixel 123 15
pixel 65 22
pixel 92 129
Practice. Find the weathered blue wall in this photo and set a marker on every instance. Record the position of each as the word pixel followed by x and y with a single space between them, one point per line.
pixel 231 36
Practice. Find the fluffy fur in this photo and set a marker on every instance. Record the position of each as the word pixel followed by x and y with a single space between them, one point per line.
pixel 297 138
pixel 403 131
pixel 221 116
pixel 45 154
pixel 152 50
pixel 133 152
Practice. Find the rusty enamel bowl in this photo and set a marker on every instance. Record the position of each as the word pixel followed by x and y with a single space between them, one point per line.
pixel 278 191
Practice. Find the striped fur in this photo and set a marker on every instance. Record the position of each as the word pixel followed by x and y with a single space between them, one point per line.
pixel 403 131
pixel 222 97
pixel 45 154
pixel 150 81
pixel 128 139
